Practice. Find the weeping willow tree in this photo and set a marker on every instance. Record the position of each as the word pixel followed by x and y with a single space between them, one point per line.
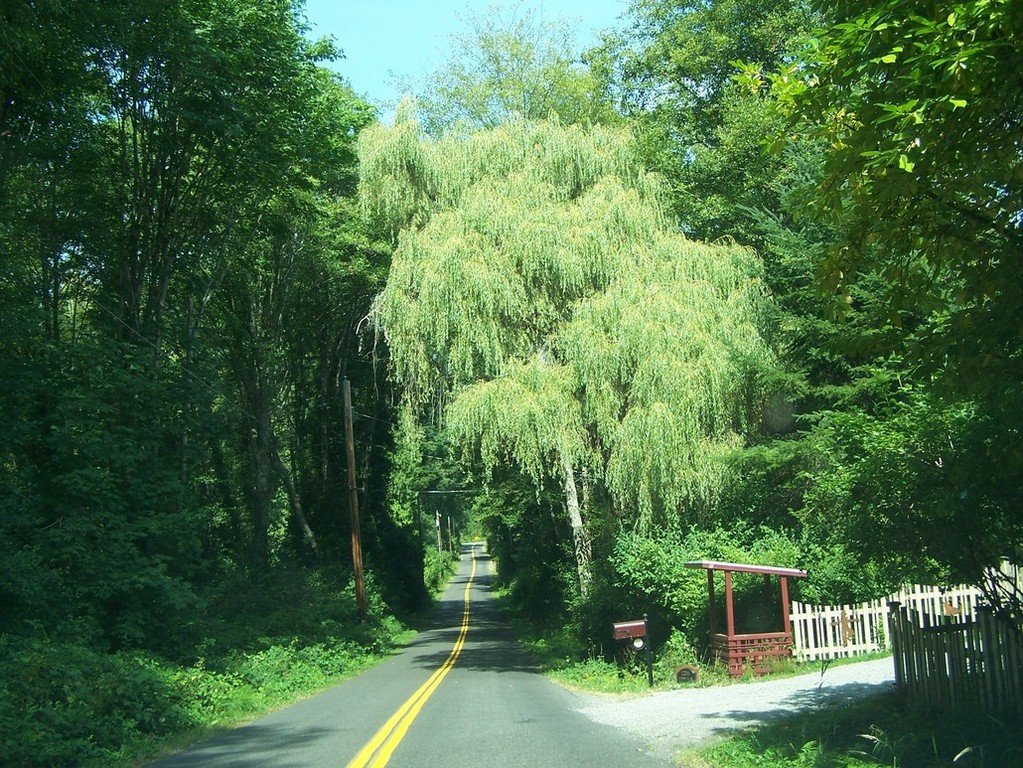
pixel 537 294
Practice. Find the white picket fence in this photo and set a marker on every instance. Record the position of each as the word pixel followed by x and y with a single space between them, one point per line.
pixel 839 631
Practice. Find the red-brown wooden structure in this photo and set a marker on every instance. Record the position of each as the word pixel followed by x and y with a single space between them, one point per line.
pixel 753 650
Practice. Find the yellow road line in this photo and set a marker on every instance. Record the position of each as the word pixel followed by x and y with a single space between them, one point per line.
pixel 378 750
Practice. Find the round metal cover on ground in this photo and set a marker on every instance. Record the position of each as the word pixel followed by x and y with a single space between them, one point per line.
pixel 687 673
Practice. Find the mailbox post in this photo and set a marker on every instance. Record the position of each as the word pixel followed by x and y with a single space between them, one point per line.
pixel 636 631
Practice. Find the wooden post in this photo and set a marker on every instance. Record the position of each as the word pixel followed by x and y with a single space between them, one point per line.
pixel 729 608
pixel 353 501
pixel 989 645
pixel 711 618
pixel 786 622
pixel 419 518
pixel 895 641
pixel 648 647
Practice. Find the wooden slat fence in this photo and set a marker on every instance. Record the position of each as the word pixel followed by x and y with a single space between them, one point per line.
pixel 975 662
pixel 840 631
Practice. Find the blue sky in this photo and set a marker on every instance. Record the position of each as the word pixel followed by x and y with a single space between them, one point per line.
pixel 383 38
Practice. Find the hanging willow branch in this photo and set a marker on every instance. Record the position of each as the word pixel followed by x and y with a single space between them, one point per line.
pixel 535 281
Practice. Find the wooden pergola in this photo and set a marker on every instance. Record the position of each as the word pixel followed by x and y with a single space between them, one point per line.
pixel 741 650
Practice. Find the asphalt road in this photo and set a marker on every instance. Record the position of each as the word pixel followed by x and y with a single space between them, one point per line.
pixel 487 707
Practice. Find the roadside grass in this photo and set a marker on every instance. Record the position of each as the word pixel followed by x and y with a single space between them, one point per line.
pixel 596 675
pixel 248 650
pixel 564 659
pixel 878 731
pixel 281 676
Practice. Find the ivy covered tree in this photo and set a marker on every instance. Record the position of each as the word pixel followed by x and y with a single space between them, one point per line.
pixel 537 294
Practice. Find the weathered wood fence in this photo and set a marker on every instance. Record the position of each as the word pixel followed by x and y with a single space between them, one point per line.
pixel 840 631
pixel 976 661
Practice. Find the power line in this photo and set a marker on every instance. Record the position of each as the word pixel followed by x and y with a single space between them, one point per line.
pixel 391 447
pixel 362 415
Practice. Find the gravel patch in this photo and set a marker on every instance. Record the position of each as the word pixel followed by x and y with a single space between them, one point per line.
pixel 673 720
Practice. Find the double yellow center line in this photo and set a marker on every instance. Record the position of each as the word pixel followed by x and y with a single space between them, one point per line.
pixel 379 749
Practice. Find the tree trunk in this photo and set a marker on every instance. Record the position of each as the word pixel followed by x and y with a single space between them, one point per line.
pixel 294 500
pixel 262 490
pixel 580 538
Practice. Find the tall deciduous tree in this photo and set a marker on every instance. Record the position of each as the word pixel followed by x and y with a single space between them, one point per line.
pixel 181 269
pixel 508 65
pixel 921 111
pixel 671 73
pixel 537 291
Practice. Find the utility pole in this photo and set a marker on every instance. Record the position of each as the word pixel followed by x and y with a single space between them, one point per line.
pixel 419 518
pixel 451 536
pixel 353 501
pixel 440 548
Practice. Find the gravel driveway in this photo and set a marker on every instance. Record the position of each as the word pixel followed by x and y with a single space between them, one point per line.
pixel 673 720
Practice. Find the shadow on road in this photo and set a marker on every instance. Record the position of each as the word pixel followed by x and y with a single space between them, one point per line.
pixel 798 703
pixel 234 749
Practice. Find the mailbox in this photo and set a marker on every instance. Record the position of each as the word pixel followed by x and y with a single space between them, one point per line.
pixel 625 630
pixel 636 632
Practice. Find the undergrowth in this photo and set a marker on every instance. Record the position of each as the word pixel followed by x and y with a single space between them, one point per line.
pixel 565 659
pixel 880 731
pixel 251 648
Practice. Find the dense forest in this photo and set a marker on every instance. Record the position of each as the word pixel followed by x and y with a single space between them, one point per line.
pixel 741 282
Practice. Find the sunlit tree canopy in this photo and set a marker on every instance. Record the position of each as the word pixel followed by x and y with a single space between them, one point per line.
pixel 536 287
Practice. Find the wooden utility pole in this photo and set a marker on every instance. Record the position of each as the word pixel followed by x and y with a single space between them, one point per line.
pixel 440 548
pixel 353 501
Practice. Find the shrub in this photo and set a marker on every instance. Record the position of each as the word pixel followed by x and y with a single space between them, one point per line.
pixel 62 704
pixel 438 566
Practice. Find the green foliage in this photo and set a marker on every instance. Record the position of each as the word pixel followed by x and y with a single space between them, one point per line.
pixel 62 703
pixel 529 539
pixel 671 73
pixel 676 651
pixel 917 106
pixel 529 414
pixel 510 65
pixel 893 278
pixel 878 731
pixel 600 676
pixel 648 575
pixel 932 470
pixel 183 269
pixel 438 567
pixel 909 226
pixel 534 284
